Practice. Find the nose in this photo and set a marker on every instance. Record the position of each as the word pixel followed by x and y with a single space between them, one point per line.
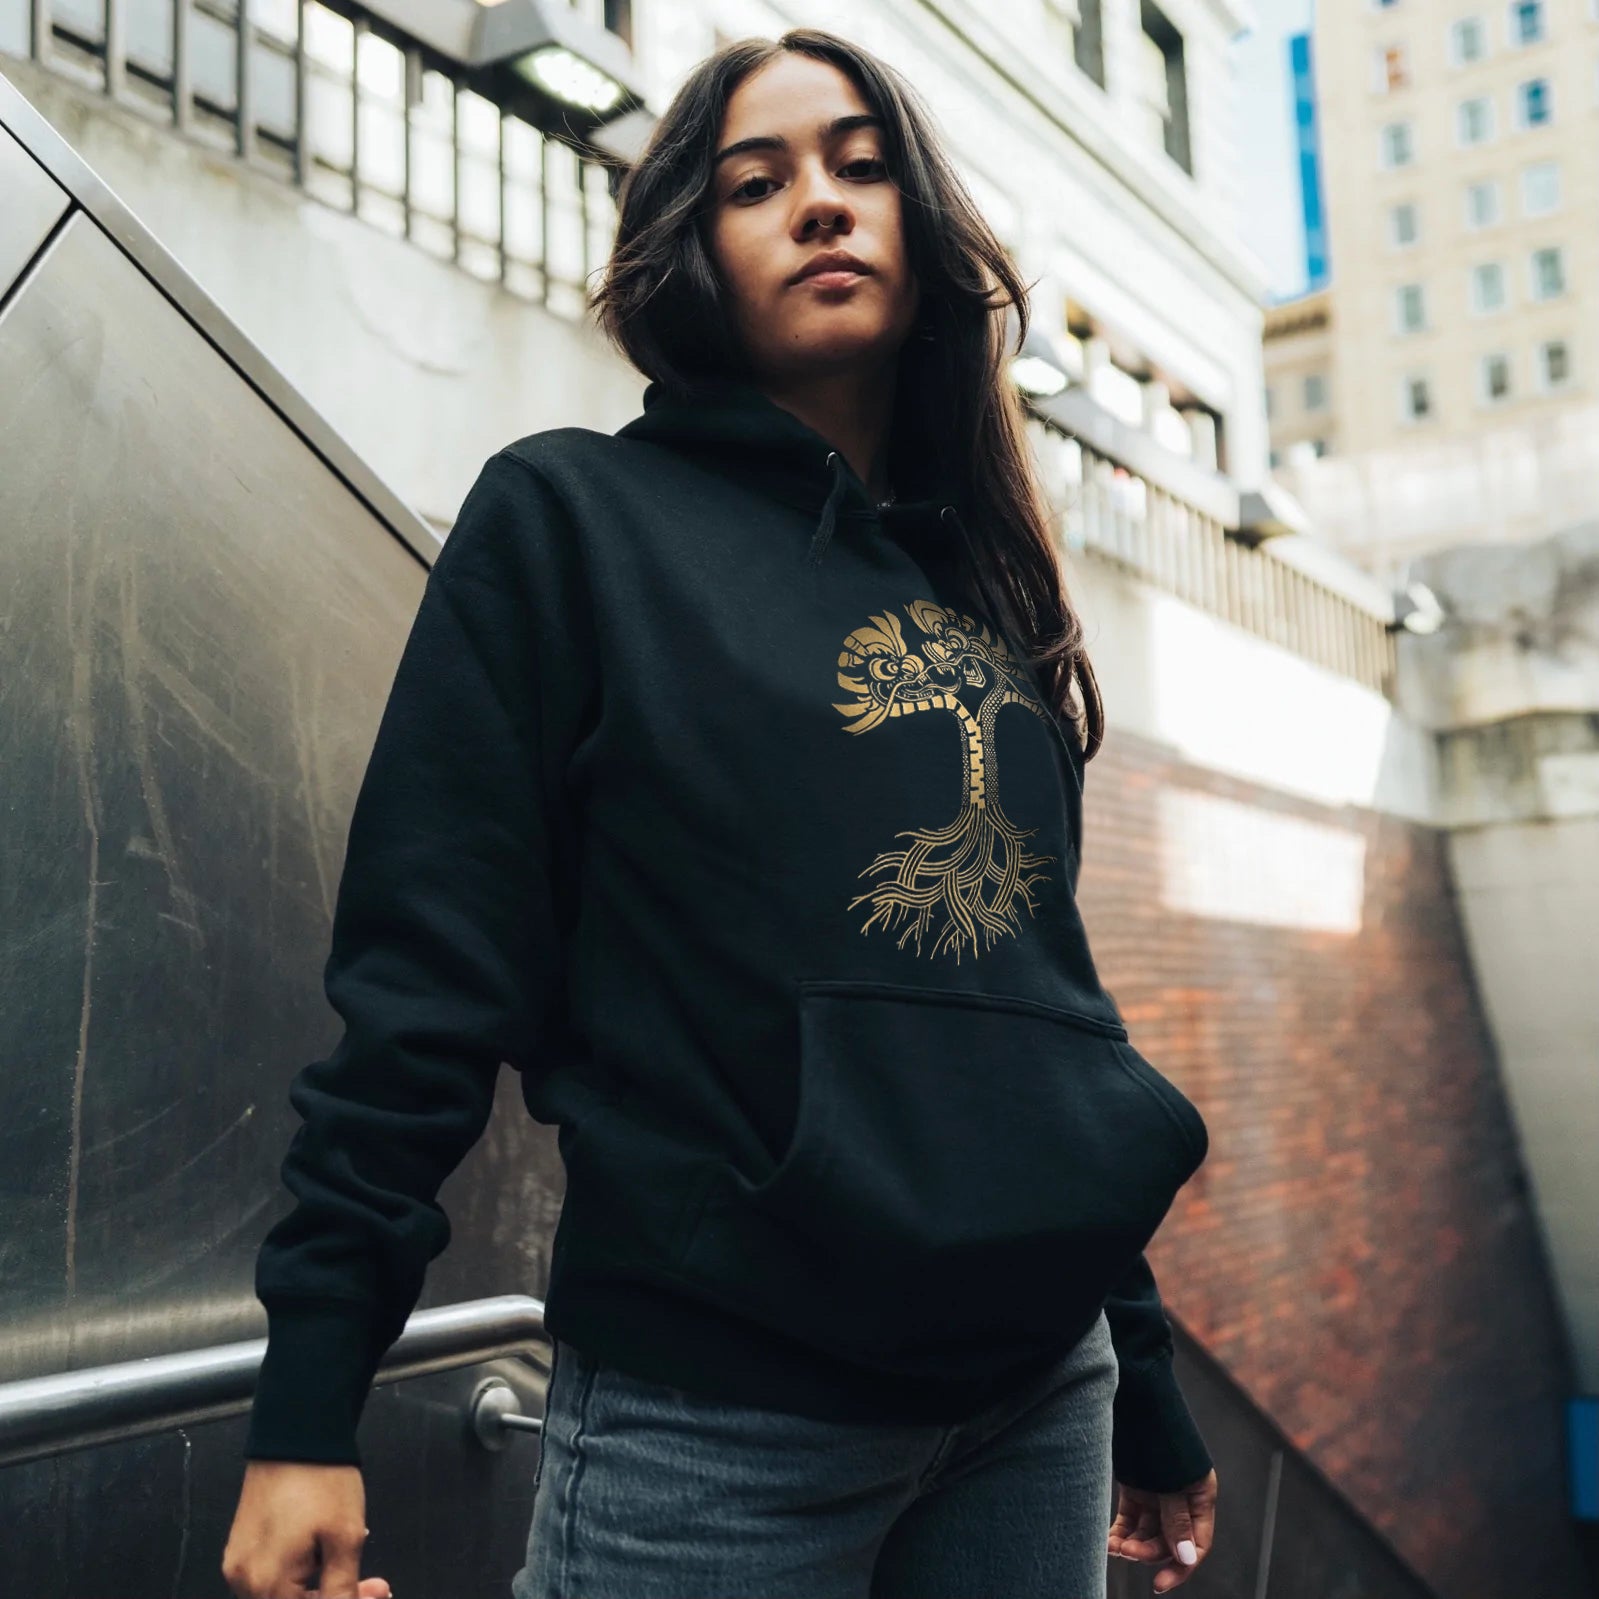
pixel 823 201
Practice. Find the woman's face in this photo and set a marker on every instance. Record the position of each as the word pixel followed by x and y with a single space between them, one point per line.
pixel 774 209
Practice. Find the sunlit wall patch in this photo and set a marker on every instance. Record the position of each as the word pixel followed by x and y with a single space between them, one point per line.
pixel 1236 862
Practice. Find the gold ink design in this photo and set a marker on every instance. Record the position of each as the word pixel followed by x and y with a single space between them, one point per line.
pixel 962 879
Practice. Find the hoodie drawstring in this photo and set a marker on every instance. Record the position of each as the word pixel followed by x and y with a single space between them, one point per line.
pixel 824 527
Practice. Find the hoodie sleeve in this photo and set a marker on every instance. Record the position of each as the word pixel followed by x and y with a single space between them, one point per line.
pixel 445 954
pixel 1155 1444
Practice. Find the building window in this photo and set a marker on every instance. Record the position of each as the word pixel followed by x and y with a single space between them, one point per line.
pixel 619 19
pixel 1540 189
pixel 1468 41
pixel 1164 85
pixel 1390 69
pixel 1482 203
pixel 1488 287
pixel 1403 228
pixel 1526 21
pixel 1315 392
pixel 1554 364
pixel 1474 120
pixel 1410 308
pixel 1533 108
pixel 1495 378
pixel 1088 42
pixel 1548 273
pixel 1416 399
pixel 1398 149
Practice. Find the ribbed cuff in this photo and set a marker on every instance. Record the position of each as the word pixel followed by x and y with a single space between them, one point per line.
pixel 313 1384
pixel 1155 1444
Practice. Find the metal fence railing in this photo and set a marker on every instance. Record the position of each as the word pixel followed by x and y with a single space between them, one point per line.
pixel 333 101
pixel 1115 514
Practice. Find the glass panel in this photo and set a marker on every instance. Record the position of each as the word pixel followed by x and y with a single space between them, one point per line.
pixel 275 18
pixel 525 281
pixel 480 201
pixel 85 18
pixel 381 210
pixel 327 121
pixel 478 125
pixel 432 176
pixel 381 71
pixel 564 247
pixel 523 150
pixel 602 219
pixel 432 235
pixel 481 260
pixel 330 39
pixel 432 121
pixel 272 85
pixel 149 39
pixel 382 148
pixel 212 47
pixel 522 223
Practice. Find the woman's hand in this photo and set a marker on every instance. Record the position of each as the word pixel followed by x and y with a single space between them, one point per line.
pixel 298 1534
pixel 1165 1527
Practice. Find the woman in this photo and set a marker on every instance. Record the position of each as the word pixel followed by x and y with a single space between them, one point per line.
pixel 717 794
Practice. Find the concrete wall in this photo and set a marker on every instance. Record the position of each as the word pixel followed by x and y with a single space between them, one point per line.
pixel 1525 481
pixel 1511 684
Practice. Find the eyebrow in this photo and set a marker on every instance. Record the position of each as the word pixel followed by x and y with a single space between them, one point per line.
pixel 775 141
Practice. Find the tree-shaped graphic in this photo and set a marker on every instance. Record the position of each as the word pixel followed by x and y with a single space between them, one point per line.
pixel 963 879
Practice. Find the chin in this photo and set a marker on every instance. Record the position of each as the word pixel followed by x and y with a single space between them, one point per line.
pixel 842 339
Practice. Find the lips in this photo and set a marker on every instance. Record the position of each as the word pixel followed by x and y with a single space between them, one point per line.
pixel 831 261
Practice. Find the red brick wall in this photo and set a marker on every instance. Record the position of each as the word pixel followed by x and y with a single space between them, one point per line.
pixel 1358 1249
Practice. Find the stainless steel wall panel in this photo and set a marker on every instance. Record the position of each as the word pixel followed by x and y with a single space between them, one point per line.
pixel 31 203
pixel 204 623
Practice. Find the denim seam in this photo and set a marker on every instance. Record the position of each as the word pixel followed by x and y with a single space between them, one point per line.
pixel 569 1498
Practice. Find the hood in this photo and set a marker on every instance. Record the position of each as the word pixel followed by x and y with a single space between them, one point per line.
pixel 744 434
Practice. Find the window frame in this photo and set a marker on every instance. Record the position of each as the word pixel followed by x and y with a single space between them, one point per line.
pixel 1401 328
pixel 1550 164
pixel 1541 366
pixel 1491 124
pixel 1492 186
pixel 1558 251
pixel 1474 279
pixel 1407 415
pixel 1384 163
pixel 1513 12
pixel 1484 397
pixel 1480 23
pixel 1524 122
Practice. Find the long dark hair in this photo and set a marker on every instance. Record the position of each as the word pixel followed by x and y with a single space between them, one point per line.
pixel 662 303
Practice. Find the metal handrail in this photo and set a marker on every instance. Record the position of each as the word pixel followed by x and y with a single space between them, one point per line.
pixel 71 1410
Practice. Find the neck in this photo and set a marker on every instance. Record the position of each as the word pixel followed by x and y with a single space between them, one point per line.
pixel 849 411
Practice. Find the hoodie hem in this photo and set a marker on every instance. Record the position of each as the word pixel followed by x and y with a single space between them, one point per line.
pixel 656 1326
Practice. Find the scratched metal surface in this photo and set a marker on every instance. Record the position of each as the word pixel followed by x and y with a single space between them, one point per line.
pixel 150 1516
pixel 199 623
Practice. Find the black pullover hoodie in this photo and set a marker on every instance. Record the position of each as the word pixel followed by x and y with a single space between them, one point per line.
pixel 707 799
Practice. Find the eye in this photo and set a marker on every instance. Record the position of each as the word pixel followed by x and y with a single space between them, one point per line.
pixel 874 162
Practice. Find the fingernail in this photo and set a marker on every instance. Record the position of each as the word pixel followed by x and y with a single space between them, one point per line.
pixel 1186 1552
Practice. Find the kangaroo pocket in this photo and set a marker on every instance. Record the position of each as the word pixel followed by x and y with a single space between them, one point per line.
pixel 968 1176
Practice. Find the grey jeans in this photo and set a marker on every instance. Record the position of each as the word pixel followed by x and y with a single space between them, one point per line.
pixel 643 1491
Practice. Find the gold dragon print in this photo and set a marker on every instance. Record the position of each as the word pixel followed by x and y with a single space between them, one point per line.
pixel 963 880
